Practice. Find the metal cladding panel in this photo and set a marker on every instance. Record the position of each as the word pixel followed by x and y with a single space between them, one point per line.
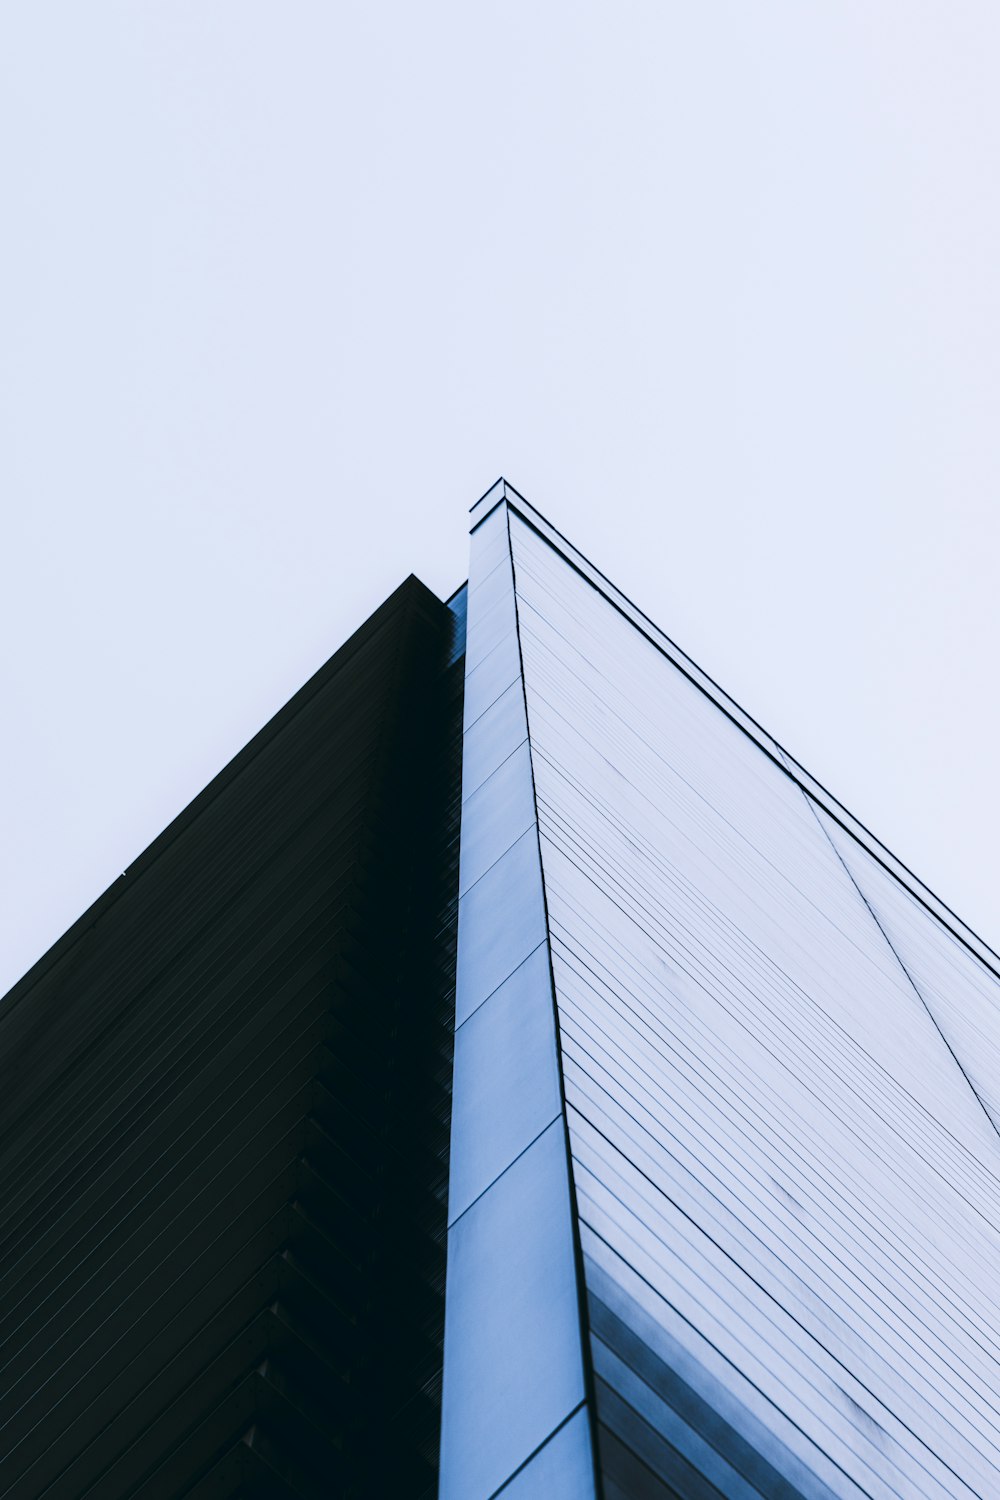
pixel 224 1117
pixel 562 1469
pixel 961 992
pixel 494 736
pixel 495 815
pixel 513 1364
pixel 506 1081
pixel 513 1414
pixel 788 1191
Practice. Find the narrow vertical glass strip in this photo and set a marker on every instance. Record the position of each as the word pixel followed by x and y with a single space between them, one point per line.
pixel 514 1418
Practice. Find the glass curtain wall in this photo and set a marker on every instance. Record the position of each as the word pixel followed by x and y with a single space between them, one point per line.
pixel 780 1081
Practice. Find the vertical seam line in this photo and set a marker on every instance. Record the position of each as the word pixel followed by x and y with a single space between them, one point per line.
pixel 589 1384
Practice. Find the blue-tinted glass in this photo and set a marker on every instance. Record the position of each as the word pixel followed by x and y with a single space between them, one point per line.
pixel 489 543
pixel 769 1133
pixel 513 1373
pixel 485 504
pixel 495 815
pixel 562 1470
pixel 495 673
pixel 491 613
pixel 490 589
pixel 501 920
pixel 459 606
pixel 513 1370
pixel 506 1080
pixel 492 737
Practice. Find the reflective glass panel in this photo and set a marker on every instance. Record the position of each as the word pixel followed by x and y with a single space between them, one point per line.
pixel 774 1151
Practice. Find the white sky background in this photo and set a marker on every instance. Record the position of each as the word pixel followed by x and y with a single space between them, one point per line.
pixel 286 286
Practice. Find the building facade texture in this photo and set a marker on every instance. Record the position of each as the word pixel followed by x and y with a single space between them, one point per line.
pixel 514 1076
pixel 224 1107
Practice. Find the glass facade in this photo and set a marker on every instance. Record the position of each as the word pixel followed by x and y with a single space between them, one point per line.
pixel 514 1415
pixel 514 1078
pixel 775 1063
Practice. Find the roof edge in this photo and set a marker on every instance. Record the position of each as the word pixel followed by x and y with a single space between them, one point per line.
pixel 502 492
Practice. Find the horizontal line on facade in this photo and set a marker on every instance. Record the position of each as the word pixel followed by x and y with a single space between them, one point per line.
pixel 753 730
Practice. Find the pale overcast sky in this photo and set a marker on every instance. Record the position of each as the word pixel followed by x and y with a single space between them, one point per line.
pixel 286 287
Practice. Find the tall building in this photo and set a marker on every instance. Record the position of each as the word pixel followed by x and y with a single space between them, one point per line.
pixel 224 1106
pixel 720 1212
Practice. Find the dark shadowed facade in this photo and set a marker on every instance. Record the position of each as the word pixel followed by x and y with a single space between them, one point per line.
pixel 224 1112
pixel 513 1076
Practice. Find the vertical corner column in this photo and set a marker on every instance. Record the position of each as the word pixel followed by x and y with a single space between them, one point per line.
pixel 515 1418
